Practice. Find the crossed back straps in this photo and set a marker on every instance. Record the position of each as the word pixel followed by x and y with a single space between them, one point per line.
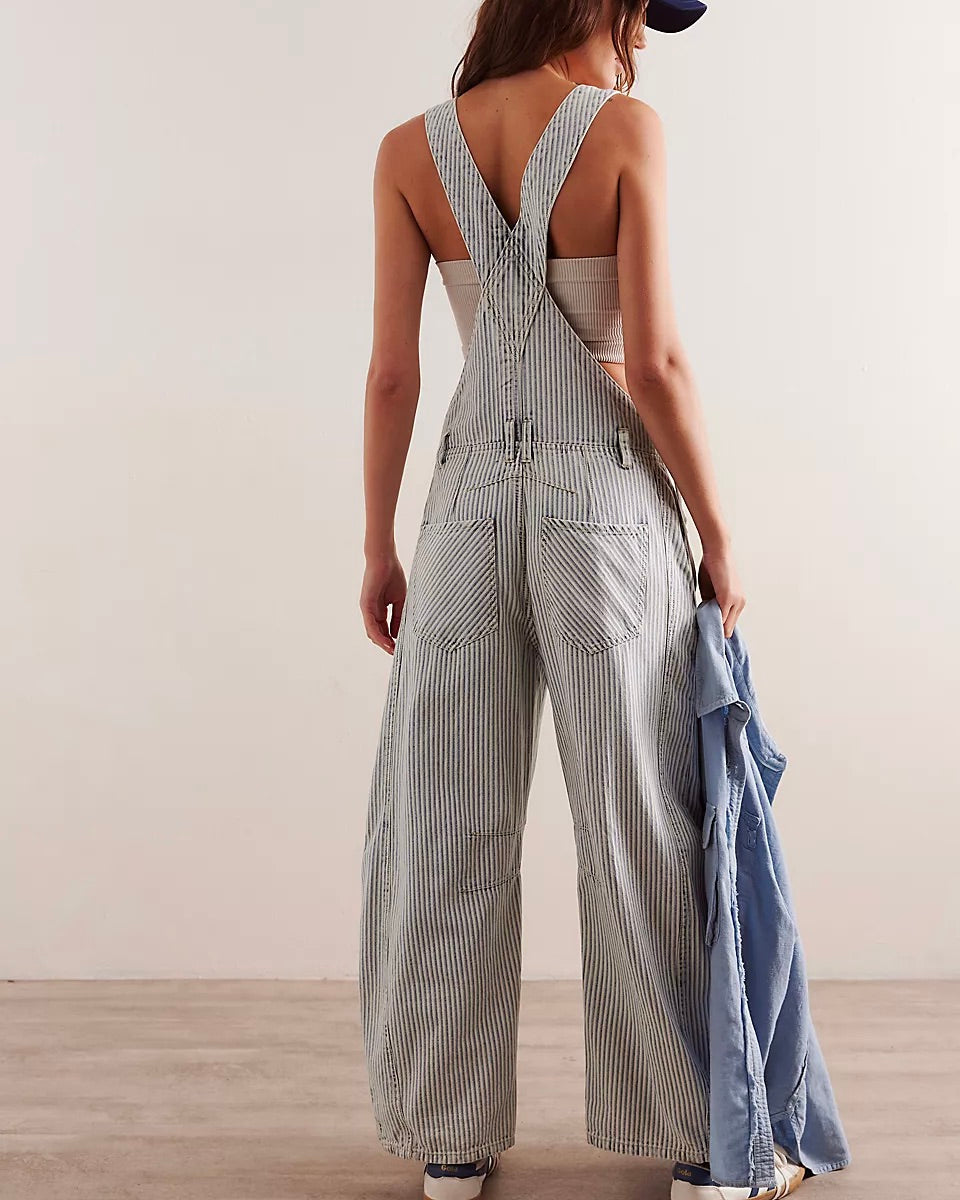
pixel 511 261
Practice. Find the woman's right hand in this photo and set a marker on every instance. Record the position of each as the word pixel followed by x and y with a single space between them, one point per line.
pixel 718 578
pixel 384 584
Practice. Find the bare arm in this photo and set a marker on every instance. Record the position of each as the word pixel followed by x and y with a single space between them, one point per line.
pixel 393 387
pixel 658 374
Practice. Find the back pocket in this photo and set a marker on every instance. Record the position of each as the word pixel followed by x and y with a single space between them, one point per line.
pixel 595 578
pixel 453 582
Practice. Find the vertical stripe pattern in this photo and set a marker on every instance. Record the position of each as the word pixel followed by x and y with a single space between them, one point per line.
pixel 552 557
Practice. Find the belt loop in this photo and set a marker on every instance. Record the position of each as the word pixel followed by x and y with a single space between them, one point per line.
pixel 525 448
pixel 509 438
pixel 623 446
pixel 444 446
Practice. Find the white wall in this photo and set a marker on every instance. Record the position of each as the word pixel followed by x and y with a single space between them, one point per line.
pixel 188 704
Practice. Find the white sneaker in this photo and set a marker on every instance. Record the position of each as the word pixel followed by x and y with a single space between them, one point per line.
pixel 458 1181
pixel 691 1182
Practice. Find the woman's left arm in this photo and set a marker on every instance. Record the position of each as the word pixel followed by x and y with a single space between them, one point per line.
pixel 401 260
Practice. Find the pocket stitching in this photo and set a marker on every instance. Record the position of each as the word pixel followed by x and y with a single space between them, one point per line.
pixel 552 525
pixel 486 526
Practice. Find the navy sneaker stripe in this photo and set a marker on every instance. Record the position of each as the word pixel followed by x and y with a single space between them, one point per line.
pixel 699 1176
pixel 690 1173
pixel 457 1170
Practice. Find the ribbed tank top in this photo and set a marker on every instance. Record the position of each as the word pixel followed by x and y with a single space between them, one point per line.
pixel 584 289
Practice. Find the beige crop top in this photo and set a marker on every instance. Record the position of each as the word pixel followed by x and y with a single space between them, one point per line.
pixel 584 289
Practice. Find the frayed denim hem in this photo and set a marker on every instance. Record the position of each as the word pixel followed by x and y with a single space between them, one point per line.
pixel 823 1168
pixel 819 1169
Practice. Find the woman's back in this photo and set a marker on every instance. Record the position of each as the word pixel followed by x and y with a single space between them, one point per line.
pixel 525 361
pixel 502 120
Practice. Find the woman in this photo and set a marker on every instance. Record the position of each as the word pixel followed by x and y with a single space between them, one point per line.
pixel 552 554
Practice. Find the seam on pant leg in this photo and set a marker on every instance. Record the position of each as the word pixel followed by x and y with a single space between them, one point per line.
pixel 385 925
pixel 680 856
pixel 394 1078
pixel 689 1018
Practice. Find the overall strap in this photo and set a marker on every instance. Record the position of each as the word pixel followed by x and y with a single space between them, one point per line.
pixel 483 226
pixel 550 164
pixel 480 221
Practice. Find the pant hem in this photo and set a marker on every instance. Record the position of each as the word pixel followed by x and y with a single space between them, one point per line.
pixel 443 1155
pixel 819 1169
pixel 823 1168
pixel 672 1150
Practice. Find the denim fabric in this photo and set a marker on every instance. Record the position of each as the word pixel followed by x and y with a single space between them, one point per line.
pixel 551 560
pixel 768 1079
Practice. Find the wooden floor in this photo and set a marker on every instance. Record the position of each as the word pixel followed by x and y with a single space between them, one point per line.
pixel 256 1091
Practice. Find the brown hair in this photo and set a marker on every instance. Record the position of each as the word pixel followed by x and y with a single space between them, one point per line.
pixel 521 35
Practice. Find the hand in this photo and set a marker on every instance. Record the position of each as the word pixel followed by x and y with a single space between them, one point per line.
pixel 384 584
pixel 717 577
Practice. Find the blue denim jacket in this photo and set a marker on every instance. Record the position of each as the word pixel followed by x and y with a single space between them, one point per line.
pixel 768 1079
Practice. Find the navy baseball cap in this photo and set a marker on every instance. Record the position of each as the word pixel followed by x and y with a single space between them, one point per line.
pixel 670 16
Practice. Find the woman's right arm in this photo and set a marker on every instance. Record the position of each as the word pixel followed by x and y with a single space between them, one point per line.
pixel 658 375
pixel 401 259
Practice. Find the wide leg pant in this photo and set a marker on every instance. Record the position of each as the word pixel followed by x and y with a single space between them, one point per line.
pixel 559 566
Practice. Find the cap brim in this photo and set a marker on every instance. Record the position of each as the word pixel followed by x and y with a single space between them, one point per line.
pixel 670 16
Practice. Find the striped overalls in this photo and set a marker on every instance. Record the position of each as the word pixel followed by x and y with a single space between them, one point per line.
pixel 552 553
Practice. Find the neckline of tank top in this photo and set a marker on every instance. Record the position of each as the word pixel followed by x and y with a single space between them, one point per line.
pixel 603 266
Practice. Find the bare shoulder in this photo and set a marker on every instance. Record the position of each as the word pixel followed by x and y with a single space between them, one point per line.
pixel 402 148
pixel 634 126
